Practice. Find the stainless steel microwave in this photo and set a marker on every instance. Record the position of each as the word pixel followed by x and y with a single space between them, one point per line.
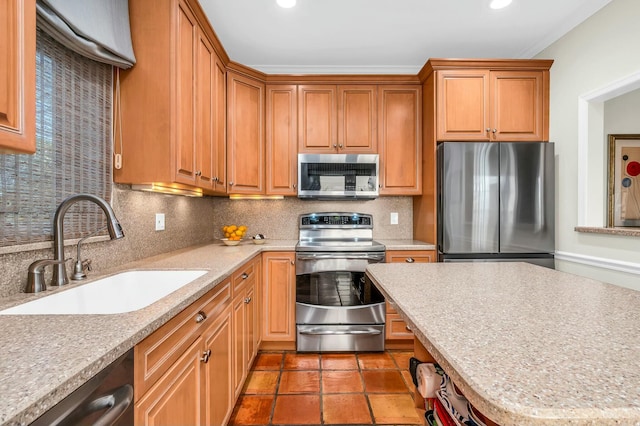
pixel 338 176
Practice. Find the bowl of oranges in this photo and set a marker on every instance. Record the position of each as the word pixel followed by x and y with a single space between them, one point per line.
pixel 233 234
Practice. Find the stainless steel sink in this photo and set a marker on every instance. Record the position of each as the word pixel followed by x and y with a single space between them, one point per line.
pixel 115 294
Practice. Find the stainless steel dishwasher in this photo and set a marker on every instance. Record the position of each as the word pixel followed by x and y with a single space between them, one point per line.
pixel 105 400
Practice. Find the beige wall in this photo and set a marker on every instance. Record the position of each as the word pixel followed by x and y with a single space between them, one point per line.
pixel 599 53
pixel 191 221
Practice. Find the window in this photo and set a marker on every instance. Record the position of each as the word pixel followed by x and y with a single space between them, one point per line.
pixel 73 153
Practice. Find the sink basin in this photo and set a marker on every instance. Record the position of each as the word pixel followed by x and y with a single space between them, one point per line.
pixel 115 294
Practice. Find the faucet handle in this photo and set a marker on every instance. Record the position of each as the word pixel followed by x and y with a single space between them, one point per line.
pixel 35 277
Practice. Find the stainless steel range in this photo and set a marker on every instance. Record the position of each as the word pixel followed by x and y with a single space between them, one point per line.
pixel 338 309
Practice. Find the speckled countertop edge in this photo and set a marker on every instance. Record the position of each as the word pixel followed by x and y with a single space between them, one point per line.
pixel 621 231
pixel 516 394
pixel 46 357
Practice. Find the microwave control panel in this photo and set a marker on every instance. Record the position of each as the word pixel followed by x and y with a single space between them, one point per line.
pixel 336 219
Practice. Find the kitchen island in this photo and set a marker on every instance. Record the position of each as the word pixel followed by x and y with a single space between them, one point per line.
pixel 526 345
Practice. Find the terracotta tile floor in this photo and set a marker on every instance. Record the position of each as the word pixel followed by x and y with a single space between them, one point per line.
pixel 286 388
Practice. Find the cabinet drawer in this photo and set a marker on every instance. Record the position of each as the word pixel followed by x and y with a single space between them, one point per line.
pixel 155 354
pixel 246 273
pixel 410 256
pixel 397 328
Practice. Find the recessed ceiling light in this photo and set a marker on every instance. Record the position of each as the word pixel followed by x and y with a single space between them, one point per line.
pixel 286 3
pixel 498 4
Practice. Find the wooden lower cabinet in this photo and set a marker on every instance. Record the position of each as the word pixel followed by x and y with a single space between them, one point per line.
pixel 191 370
pixel 178 397
pixel 396 329
pixel 279 297
pixel 218 396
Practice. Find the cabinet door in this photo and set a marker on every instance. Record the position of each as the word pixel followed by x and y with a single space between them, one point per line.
pixel 204 85
pixel 178 397
pixel 282 143
pixel 462 105
pixel 251 348
pixel 279 300
pixel 218 370
pixel 517 105
pixel 187 44
pixel 239 341
pixel 396 328
pixel 219 127
pixel 400 121
pixel 245 138
pixel 357 125
pixel 317 107
pixel 18 76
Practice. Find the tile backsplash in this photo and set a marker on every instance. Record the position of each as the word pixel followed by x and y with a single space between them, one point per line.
pixel 192 221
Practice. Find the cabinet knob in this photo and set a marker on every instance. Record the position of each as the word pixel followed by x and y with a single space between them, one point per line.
pixel 335 146
pixel 244 275
pixel 408 328
pixel 340 146
pixel 295 186
pixel 293 263
pixel 201 317
pixel 198 173
pixel 230 183
pixel 494 130
pixel 215 179
pixel 247 300
pixel 409 260
pixel 205 356
pixel 488 129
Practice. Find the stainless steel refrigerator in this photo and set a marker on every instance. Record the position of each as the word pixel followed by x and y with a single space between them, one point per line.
pixel 496 202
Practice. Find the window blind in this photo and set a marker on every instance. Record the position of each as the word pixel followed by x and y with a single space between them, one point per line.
pixel 73 149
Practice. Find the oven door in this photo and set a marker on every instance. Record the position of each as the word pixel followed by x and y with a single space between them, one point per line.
pixel 337 307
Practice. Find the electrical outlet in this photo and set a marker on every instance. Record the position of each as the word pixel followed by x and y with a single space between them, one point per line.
pixel 159 221
pixel 394 218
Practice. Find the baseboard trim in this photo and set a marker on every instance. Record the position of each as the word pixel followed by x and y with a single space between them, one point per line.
pixel 600 262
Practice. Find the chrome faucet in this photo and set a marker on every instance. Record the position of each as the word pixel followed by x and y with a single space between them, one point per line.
pixel 113 226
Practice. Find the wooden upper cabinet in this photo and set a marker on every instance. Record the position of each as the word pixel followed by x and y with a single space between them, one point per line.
pixel 492 105
pixel 399 130
pixel 188 47
pixel 462 105
pixel 219 162
pixel 245 134
pixel 337 119
pixel 172 109
pixel 517 106
pixel 282 139
pixel 317 129
pixel 18 76
pixel 357 125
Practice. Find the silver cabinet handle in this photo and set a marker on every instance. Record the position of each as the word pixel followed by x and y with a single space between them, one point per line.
pixel 230 183
pixel 247 300
pixel 409 260
pixel 244 275
pixel 494 130
pixel 335 146
pixel 198 173
pixel 488 129
pixel 205 356
pixel 201 317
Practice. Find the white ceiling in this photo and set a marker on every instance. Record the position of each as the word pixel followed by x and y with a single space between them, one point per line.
pixel 386 36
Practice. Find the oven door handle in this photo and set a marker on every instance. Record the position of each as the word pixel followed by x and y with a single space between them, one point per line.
pixel 356 256
pixel 330 332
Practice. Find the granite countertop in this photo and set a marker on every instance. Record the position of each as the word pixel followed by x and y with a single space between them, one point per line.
pixel 525 344
pixel 46 357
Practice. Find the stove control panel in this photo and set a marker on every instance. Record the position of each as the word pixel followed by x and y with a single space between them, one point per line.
pixel 348 220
